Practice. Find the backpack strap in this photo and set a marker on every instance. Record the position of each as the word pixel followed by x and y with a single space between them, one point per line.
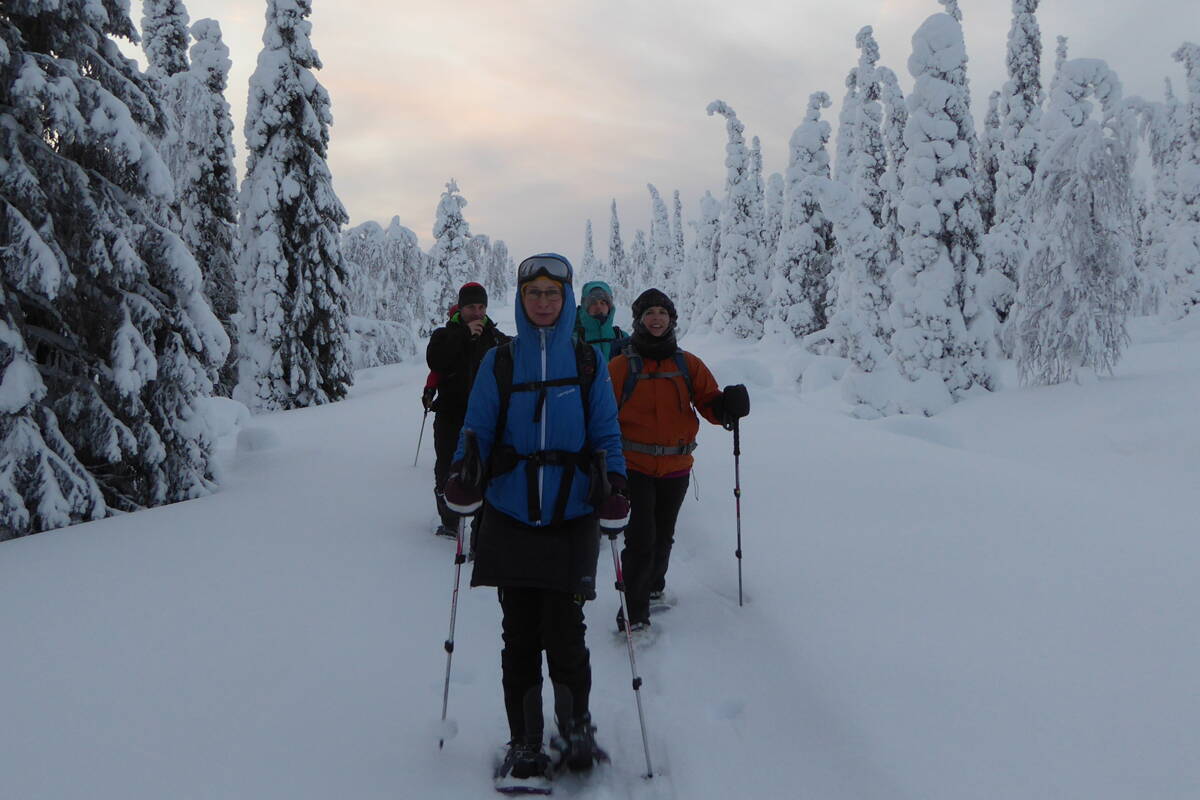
pixel 636 374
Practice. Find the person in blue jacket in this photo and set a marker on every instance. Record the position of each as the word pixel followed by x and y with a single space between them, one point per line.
pixel 538 540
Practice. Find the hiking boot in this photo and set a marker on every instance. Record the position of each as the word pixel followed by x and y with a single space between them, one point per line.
pixel 638 625
pixel 576 745
pixel 524 769
pixel 446 532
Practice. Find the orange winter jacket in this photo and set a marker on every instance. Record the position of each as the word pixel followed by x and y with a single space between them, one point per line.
pixel 659 412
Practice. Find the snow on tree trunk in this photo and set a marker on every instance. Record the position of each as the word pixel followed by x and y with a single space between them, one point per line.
pixel 1076 286
pixel 293 332
pixel 207 182
pixel 740 288
pixel 105 335
pixel 988 162
pixel 940 220
pixel 1183 253
pixel 678 248
pixel 804 255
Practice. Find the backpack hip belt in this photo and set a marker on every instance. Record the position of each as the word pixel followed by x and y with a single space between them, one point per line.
pixel 659 449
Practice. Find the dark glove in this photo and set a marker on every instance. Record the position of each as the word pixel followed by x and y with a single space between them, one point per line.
pixel 461 498
pixel 736 402
pixel 427 397
pixel 614 510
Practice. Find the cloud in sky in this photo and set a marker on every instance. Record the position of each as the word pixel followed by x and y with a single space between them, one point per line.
pixel 545 110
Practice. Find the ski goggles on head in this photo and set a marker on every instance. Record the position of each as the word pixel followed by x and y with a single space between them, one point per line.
pixel 550 266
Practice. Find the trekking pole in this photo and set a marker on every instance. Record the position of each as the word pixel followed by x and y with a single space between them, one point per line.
pixel 473 475
pixel 620 584
pixel 420 436
pixel 737 496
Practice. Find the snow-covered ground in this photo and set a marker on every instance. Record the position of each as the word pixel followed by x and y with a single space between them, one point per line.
pixel 998 602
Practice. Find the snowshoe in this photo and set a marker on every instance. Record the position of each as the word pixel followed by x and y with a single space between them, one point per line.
pixel 575 746
pixel 524 770
pixel 662 601
pixel 446 532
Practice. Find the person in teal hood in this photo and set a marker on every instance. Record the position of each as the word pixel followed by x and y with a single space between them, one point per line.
pixel 594 319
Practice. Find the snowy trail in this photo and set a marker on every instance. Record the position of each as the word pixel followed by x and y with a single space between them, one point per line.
pixel 997 602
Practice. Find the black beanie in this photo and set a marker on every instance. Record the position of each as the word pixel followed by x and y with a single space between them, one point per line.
pixel 651 298
pixel 472 293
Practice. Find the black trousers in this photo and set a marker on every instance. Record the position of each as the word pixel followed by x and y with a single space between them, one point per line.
pixel 653 509
pixel 446 428
pixel 537 620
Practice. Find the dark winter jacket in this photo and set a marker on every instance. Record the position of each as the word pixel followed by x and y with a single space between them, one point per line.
pixel 455 356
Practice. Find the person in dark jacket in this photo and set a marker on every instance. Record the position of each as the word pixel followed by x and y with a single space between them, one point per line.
pixel 453 354
pixel 538 538
pixel 594 319
pixel 660 389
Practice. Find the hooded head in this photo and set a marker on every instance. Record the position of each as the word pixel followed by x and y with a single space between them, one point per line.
pixel 538 277
pixel 589 301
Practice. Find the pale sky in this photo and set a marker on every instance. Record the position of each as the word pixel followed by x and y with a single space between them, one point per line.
pixel 544 111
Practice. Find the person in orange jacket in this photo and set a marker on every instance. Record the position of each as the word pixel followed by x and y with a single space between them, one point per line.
pixel 659 389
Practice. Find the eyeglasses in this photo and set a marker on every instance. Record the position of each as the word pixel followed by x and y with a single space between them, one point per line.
pixel 537 295
pixel 551 266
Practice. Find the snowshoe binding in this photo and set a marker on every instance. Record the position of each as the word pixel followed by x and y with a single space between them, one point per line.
pixel 575 746
pixel 524 770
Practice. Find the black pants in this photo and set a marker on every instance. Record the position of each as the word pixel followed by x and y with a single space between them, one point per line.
pixel 446 428
pixel 537 620
pixel 653 508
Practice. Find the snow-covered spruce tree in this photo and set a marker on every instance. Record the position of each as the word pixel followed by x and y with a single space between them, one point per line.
pixel 293 332
pixel 740 289
pixel 803 258
pixel 895 109
pixel 621 280
pixel 1075 288
pixel 101 297
pixel 847 120
pixel 664 272
pixel 207 184
pixel 1183 252
pixel 590 267
pixel 165 36
pixel 641 267
pixel 1017 154
pixel 700 274
pixel 772 218
pixel 501 272
pixel 383 289
pixel 940 220
pixel 988 162
pixel 479 248
pixel 758 205
pixel 678 248
pixel 1164 131
pixel 451 264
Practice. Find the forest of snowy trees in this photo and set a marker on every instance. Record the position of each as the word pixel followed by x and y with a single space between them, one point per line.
pixel 922 251
pixel 907 248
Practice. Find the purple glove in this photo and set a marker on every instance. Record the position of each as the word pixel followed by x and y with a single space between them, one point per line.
pixel 461 499
pixel 614 511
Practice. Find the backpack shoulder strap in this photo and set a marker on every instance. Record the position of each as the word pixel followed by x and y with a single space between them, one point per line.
pixel 585 368
pixel 502 369
pixel 681 363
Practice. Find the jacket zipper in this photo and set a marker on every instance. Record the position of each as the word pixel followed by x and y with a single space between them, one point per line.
pixel 545 409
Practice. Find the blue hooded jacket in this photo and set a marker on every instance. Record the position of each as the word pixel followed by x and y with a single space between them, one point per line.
pixel 541 354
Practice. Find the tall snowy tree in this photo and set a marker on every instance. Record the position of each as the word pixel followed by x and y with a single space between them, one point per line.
pixel 1075 288
pixel 1165 133
pixel 894 121
pixel 105 335
pixel 641 265
pixel 293 330
pixel 802 262
pixel 618 266
pixel 165 36
pixel 740 288
pixel 772 217
pixel 502 272
pixel 847 122
pixel 1017 154
pixel 384 298
pixel 678 248
pixel 451 264
pixel 590 267
pixel 941 225
pixel 207 184
pixel 988 162
pixel 663 270
pixel 699 286
pixel 1183 254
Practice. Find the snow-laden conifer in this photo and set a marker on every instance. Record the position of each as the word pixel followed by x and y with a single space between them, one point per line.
pixel 940 220
pixel 384 267
pixel 618 265
pixel 895 118
pixel 1164 131
pixel 1183 253
pixel 802 262
pixel 590 267
pixel 1076 285
pixel 165 36
pixel 678 248
pixel 698 290
pixel 988 162
pixel 207 183
pixel 772 217
pixel 502 272
pixel 1017 154
pixel 293 331
pixel 847 122
pixel 104 299
pixel 662 269
pixel 740 290
pixel 450 259
pixel 641 266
